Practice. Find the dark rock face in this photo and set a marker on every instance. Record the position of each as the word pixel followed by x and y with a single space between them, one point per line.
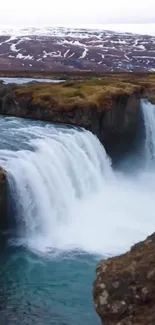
pixel 3 199
pixel 124 291
pixel 66 49
pixel 117 126
pixel 120 126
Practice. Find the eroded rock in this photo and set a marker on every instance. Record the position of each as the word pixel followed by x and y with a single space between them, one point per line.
pixel 129 283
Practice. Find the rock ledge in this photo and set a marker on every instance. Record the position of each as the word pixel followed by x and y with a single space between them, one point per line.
pixel 124 291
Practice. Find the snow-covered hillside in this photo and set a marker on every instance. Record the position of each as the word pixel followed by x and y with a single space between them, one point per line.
pixel 69 49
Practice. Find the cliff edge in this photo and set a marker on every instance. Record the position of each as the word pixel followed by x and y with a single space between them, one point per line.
pixel 124 291
pixel 108 106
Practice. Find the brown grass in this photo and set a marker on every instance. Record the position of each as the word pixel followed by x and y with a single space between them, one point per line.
pixel 94 92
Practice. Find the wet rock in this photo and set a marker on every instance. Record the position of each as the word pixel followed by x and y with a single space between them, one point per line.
pixel 129 283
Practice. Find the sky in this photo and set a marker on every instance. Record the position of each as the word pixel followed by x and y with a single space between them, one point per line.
pixel 62 12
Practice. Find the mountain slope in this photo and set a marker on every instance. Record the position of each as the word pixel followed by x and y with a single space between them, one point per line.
pixel 68 49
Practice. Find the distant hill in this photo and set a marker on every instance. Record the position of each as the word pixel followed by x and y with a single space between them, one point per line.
pixel 68 49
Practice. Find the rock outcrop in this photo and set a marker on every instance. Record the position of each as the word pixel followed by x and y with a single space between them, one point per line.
pixel 3 199
pixel 116 127
pixel 124 291
pixel 109 107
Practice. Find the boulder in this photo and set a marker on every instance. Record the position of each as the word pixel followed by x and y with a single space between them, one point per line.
pixel 124 291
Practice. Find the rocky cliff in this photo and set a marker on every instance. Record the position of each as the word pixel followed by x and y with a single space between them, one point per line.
pixel 109 107
pixel 124 291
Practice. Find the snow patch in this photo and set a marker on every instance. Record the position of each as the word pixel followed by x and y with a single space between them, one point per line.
pixel 141 47
pixel 24 57
pixel 13 48
pixel 12 38
pixel 118 42
pixel 136 42
pixel 65 54
pixel 77 43
pixel 143 57
pixel 128 59
pixel 52 54
pixel 20 56
pixel 70 56
pixel 84 54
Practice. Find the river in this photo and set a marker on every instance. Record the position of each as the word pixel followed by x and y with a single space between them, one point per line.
pixel 71 209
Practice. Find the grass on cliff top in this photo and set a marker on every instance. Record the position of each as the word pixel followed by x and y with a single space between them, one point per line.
pixel 95 93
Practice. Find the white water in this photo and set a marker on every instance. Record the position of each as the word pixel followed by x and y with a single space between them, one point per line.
pixel 67 195
pixel 27 80
pixel 149 119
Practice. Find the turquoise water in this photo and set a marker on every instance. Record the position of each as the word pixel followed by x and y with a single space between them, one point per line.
pixel 71 209
pixel 39 287
pixel 35 290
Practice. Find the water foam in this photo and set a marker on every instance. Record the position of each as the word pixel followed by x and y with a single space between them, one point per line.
pixel 67 196
pixel 148 110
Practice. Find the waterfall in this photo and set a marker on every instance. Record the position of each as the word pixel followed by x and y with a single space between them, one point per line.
pixel 60 168
pixel 148 111
pixel 66 195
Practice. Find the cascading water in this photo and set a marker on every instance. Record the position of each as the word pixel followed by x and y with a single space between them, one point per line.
pixel 148 111
pixel 60 168
pixel 67 200
pixel 67 196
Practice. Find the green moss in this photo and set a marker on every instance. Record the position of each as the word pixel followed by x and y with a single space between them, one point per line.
pixel 97 92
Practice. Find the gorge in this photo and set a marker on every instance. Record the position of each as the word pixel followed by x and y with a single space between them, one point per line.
pixel 69 204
